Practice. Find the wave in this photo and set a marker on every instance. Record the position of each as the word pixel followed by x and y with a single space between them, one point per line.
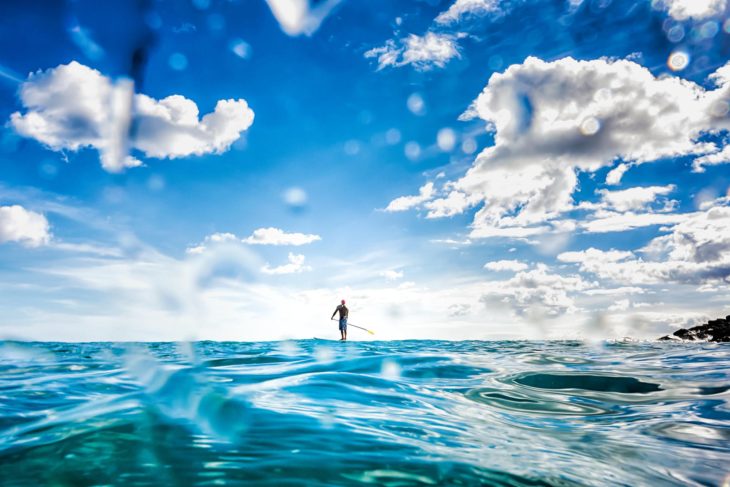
pixel 364 413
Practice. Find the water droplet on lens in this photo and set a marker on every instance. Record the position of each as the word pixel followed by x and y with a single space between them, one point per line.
pixel 678 60
pixel 412 150
pixel 289 348
pixel 446 139
pixel 178 61
pixel 392 136
pixel 156 182
pixel 240 48
pixel 295 197
pixel 590 126
pixel 676 33
pixel 709 29
pixel 416 104
pixel 469 146
pixel 390 370
pixel 352 147
pixel 48 170
pixel 324 355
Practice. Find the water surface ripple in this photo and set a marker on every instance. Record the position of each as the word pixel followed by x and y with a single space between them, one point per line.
pixel 316 412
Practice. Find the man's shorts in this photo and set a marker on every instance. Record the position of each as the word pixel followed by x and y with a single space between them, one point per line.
pixel 343 324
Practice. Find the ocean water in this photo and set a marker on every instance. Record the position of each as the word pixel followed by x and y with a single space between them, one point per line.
pixel 316 412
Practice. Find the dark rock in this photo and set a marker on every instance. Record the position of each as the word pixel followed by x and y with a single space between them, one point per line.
pixel 713 331
pixel 681 333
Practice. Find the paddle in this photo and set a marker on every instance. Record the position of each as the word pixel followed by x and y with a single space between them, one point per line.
pixel 360 327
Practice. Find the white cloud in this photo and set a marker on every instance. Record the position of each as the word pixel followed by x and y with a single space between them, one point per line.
pixel 298 17
pixel 593 254
pixel 216 238
pixel 391 275
pixel 276 236
pixel 506 265
pixel 440 43
pixel 404 203
pixel 170 128
pixel 696 9
pixel 422 52
pixel 605 222
pixel 537 293
pixel 462 8
pixel 615 175
pixel 453 204
pixel 722 157
pixel 295 266
pixel 539 112
pixel 260 236
pixel 703 237
pixel 451 241
pixel 696 251
pixel 73 106
pixel 614 291
pixel 23 226
pixel 636 198
pixel 620 305
pixel 630 208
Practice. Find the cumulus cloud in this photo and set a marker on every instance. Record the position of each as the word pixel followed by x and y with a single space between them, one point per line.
pixel 537 293
pixel 276 236
pixel 453 203
pixel 295 265
pixel 631 208
pixel 297 17
pixel 23 226
pixel 462 8
pixel 422 52
pixel 552 120
pixel 695 9
pixel 404 203
pixel 615 175
pixel 696 251
pixel 636 198
pixel 714 159
pixel 73 106
pixel 506 265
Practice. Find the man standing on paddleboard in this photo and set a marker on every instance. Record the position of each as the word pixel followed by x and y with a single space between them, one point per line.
pixel 344 312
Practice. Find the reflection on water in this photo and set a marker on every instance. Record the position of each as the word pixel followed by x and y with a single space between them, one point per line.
pixel 378 413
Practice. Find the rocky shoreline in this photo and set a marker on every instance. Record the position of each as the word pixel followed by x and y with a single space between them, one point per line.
pixel 712 331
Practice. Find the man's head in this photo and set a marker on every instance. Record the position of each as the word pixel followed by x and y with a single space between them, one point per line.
pixel 343 301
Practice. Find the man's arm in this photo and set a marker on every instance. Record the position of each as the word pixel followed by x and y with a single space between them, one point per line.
pixel 334 313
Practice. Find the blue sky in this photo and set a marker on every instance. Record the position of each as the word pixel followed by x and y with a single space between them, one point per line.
pixel 454 169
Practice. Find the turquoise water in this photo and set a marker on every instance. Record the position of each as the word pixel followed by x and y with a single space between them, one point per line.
pixel 369 413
